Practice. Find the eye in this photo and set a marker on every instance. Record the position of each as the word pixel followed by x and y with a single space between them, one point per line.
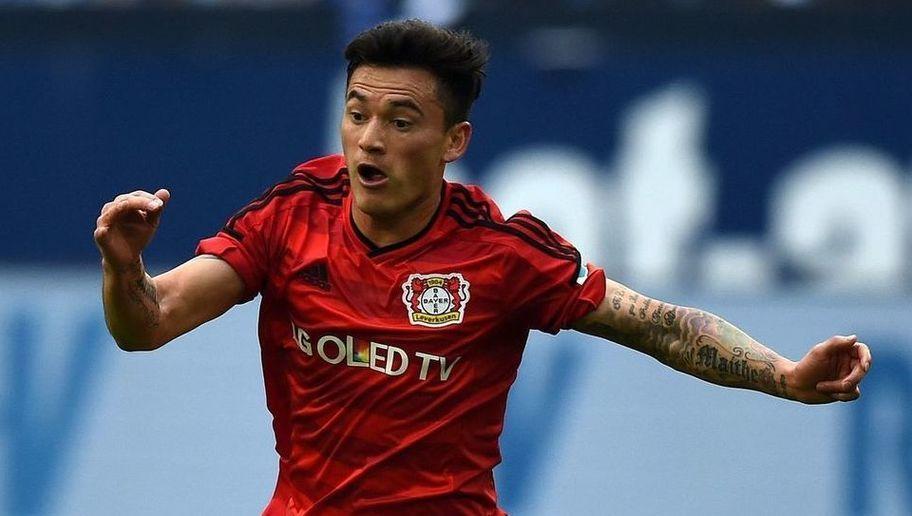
pixel 356 116
pixel 402 124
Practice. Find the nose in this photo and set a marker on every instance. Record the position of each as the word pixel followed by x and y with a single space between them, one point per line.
pixel 371 138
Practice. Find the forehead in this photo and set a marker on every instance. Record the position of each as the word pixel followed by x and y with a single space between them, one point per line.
pixel 379 81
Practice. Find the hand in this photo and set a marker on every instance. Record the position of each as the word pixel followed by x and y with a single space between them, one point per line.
pixel 127 224
pixel 831 371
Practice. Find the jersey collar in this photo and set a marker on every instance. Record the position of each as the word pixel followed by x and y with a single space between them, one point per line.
pixel 372 249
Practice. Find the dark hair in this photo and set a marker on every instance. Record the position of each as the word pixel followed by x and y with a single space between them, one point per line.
pixel 457 59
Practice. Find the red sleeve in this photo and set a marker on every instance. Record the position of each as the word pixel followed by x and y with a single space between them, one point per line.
pixel 245 244
pixel 253 239
pixel 238 257
pixel 554 304
pixel 555 287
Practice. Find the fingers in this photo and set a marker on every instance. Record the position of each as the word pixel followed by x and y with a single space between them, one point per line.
pixel 847 396
pixel 143 202
pixel 845 384
pixel 839 390
pixel 864 356
pixel 840 386
pixel 837 343
pixel 123 205
pixel 860 366
pixel 138 194
pixel 847 387
pixel 163 194
pixel 160 199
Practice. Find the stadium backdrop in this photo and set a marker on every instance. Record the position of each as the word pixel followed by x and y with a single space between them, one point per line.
pixel 761 172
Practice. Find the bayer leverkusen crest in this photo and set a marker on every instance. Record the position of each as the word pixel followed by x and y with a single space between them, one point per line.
pixel 435 300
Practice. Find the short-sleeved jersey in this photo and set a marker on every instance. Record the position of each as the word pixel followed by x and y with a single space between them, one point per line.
pixel 387 368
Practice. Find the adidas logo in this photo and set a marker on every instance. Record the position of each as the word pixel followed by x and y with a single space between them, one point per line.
pixel 316 274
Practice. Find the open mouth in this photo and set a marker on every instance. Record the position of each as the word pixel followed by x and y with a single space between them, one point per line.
pixel 371 175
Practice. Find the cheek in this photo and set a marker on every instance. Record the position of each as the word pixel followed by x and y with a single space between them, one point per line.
pixel 346 135
pixel 423 162
pixel 426 151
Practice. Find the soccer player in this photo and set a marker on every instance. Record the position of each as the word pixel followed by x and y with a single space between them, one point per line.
pixel 396 305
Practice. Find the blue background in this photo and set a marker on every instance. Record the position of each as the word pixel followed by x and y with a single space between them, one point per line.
pixel 218 105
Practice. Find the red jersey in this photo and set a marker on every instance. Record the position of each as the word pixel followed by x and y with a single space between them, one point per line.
pixel 387 368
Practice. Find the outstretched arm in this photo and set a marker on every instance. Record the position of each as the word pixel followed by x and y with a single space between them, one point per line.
pixel 706 346
pixel 144 313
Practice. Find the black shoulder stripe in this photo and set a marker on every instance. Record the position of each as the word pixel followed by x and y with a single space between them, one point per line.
pixel 542 230
pixel 340 175
pixel 522 235
pixel 525 231
pixel 533 235
pixel 468 211
pixel 262 200
pixel 233 232
pixel 338 180
pixel 271 194
pixel 460 218
pixel 330 195
pixel 291 178
pixel 536 226
pixel 467 200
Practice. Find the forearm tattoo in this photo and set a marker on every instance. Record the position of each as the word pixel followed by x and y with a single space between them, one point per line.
pixel 693 341
pixel 142 293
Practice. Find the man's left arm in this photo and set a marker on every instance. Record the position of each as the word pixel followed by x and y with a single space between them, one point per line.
pixel 704 345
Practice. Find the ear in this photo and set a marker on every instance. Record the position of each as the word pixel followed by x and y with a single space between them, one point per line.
pixel 458 138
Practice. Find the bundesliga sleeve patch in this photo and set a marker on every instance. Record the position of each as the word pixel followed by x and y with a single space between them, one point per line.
pixel 435 300
pixel 583 273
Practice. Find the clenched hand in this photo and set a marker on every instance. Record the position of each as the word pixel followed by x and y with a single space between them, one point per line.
pixel 127 224
pixel 831 371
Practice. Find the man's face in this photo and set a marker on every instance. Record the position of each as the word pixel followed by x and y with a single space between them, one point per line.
pixel 395 140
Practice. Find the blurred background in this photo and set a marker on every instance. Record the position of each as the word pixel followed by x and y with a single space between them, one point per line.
pixel 751 157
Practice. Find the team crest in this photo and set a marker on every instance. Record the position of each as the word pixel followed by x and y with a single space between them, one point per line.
pixel 435 300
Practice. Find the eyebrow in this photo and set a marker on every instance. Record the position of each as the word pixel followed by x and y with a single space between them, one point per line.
pixel 396 103
pixel 407 104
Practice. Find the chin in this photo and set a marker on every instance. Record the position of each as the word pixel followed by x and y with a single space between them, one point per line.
pixel 373 206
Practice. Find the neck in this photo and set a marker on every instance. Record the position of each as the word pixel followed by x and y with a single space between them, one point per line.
pixel 384 231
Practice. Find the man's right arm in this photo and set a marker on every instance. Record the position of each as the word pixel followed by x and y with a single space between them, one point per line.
pixel 144 313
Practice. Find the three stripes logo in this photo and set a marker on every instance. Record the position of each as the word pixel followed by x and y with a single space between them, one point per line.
pixel 317 275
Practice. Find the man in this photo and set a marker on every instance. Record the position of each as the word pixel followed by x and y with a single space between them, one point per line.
pixel 396 305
